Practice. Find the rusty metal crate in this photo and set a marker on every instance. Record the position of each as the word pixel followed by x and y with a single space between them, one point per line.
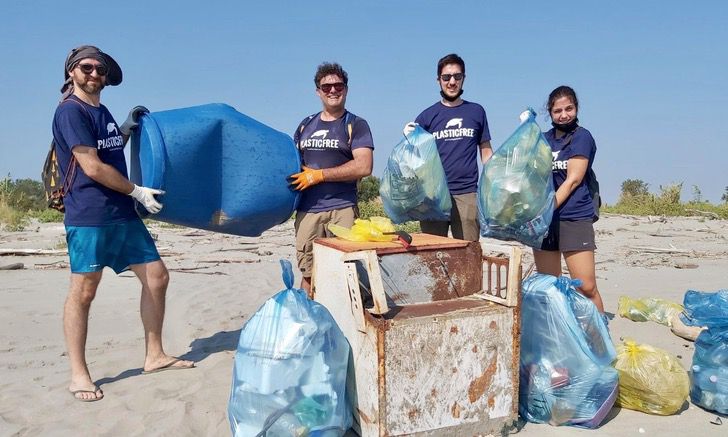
pixel 434 351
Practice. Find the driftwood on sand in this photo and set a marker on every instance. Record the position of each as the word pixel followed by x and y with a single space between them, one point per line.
pixel 709 214
pixel 14 266
pixel 28 252
pixel 194 270
pixel 56 252
pixel 649 249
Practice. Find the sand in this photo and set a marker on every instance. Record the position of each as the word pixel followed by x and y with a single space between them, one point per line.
pixel 218 281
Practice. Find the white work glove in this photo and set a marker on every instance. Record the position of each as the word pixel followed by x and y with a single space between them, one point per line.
pixel 145 196
pixel 409 128
pixel 525 114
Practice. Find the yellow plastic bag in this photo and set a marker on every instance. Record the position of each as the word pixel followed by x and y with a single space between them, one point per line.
pixel 650 379
pixel 365 230
pixel 641 310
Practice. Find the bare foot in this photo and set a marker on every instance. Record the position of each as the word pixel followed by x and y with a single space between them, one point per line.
pixel 167 363
pixel 87 394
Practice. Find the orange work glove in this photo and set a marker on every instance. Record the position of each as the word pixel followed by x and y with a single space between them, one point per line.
pixel 307 178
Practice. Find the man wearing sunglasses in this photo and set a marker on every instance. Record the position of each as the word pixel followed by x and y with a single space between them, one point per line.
pixel 102 227
pixel 461 131
pixel 336 150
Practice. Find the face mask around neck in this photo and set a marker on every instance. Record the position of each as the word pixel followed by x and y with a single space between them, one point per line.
pixel 567 127
pixel 451 99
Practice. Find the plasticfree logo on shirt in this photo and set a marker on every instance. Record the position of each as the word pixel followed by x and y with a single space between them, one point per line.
pixel 111 129
pixel 111 142
pixel 318 140
pixel 454 130
pixel 556 164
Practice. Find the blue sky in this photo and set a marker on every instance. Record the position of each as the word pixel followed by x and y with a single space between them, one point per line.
pixel 650 75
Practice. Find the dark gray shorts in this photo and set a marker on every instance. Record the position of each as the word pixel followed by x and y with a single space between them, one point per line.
pixel 570 236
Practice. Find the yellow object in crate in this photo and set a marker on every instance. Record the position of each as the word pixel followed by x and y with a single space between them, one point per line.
pixel 650 379
pixel 365 230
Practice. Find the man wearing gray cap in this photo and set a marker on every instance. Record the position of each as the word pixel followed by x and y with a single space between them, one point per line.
pixel 102 227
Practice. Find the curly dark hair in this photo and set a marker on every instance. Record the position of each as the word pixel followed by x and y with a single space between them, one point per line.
pixel 452 58
pixel 328 68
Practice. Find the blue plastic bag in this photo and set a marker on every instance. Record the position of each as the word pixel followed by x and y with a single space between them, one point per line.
pixel 289 377
pixel 414 186
pixel 566 376
pixel 705 309
pixel 709 372
pixel 516 188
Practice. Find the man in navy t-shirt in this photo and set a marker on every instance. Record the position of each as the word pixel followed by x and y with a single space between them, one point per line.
pixel 336 150
pixel 461 131
pixel 102 227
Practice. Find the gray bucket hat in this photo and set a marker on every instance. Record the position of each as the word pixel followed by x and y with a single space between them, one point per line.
pixel 113 76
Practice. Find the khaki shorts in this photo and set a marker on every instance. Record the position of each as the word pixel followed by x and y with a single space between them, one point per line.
pixel 463 219
pixel 312 225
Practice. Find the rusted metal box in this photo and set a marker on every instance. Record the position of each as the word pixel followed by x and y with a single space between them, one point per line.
pixel 434 333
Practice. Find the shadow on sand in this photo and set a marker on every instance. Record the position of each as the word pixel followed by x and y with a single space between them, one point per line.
pixel 200 349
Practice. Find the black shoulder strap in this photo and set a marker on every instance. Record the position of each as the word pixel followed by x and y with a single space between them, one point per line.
pixel 306 121
pixel 348 121
pixel 71 172
pixel 69 99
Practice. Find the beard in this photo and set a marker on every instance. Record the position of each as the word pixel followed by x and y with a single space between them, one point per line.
pixel 91 88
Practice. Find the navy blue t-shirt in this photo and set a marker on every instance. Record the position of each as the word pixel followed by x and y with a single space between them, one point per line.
pixel 325 144
pixel 578 205
pixel 89 203
pixel 458 133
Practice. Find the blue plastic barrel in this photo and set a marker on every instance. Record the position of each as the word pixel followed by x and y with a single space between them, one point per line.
pixel 221 170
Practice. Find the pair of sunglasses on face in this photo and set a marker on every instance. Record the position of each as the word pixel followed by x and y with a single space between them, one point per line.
pixel 101 70
pixel 327 87
pixel 457 76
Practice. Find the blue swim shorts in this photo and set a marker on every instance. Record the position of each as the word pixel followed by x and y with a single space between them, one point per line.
pixel 119 245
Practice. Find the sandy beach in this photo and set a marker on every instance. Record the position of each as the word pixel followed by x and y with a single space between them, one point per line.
pixel 218 281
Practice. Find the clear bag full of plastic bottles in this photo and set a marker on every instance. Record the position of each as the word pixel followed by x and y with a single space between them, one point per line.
pixel 414 186
pixel 289 376
pixel 516 189
pixel 566 377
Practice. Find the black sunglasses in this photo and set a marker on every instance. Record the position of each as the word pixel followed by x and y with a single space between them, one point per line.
pixel 338 87
pixel 446 77
pixel 88 68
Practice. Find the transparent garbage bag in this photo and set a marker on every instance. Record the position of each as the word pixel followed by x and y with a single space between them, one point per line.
pixel 650 379
pixel 708 309
pixel 289 376
pixel 516 189
pixel 709 372
pixel 566 351
pixel 654 309
pixel 414 186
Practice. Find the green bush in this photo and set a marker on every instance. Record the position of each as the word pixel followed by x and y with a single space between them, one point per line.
pixel 368 189
pixel 11 219
pixel 635 200
pixel 374 208
pixel 47 215
pixel 22 194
